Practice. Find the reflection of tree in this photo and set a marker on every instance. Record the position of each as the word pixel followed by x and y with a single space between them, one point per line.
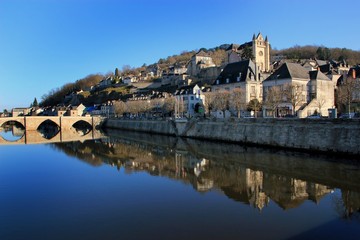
pixel 347 205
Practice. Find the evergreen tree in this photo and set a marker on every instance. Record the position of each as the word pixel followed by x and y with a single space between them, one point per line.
pixel 247 53
pixel 35 103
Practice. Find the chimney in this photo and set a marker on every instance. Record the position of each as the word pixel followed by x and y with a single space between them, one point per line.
pixel 353 73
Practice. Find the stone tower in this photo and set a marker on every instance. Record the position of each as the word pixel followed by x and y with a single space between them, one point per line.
pixel 261 52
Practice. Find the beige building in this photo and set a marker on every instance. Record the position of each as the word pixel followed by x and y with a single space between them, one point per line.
pixel 243 75
pixel 20 112
pixel 312 91
pixel 199 61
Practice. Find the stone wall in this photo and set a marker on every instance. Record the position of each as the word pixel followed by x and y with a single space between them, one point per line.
pixel 330 135
pixel 159 127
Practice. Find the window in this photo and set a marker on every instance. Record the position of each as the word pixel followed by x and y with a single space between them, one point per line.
pixel 253 89
pixel 227 80
pixel 217 82
pixel 192 98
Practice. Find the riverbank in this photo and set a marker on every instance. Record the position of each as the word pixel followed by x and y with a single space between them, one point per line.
pixel 320 135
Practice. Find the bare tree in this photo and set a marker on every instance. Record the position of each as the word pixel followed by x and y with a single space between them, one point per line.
pixel 179 106
pixel 294 95
pixel 133 107
pixel 120 107
pixel 320 102
pixel 274 96
pixel 168 105
pixel 209 101
pixel 221 101
pixel 348 91
pixel 237 100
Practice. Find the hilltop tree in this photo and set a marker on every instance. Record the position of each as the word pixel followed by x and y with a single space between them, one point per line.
pixel 247 53
pixel 35 103
pixel 323 53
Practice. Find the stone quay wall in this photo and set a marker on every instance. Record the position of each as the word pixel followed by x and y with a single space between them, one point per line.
pixel 323 135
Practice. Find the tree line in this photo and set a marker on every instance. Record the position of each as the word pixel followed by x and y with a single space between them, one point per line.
pixel 320 52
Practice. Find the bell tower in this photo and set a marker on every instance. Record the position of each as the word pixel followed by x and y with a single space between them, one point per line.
pixel 261 52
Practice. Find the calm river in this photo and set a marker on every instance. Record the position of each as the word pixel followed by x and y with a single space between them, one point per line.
pixel 137 186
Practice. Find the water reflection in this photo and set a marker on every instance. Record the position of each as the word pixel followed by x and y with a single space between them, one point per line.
pixel 12 131
pixel 48 129
pixel 252 176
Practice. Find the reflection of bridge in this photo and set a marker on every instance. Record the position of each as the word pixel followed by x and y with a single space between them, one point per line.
pixel 67 131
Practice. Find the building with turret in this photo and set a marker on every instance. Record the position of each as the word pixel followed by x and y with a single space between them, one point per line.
pixel 259 48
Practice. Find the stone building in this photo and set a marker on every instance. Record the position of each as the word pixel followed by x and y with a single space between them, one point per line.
pixel 199 61
pixel 260 49
pixel 243 75
pixel 314 92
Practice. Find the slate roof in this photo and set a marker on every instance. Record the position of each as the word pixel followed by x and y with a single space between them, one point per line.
pixel 188 89
pixel 318 75
pixel 321 62
pixel 289 70
pixel 233 70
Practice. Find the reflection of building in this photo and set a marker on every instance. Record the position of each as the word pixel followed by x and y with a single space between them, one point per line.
pixel 254 183
pixel 290 192
pixel 185 161
pixel 18 131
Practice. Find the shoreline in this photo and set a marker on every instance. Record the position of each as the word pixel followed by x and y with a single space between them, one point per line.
pixel 330 136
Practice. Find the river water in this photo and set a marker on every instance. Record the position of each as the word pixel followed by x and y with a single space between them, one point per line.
pixel 128 185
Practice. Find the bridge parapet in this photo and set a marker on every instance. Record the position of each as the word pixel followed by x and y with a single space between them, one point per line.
pixel 67 132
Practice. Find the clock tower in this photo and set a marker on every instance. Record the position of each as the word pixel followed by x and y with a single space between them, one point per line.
pixel 261 52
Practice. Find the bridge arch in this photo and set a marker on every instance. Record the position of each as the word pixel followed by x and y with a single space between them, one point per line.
pixel 19 120
pixel 33 123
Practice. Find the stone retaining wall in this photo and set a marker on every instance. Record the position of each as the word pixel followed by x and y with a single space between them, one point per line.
pixel 328 135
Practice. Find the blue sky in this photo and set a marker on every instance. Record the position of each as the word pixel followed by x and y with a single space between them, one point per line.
pixel 45 44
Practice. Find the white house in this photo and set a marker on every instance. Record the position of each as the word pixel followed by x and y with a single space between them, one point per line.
pixel 189 101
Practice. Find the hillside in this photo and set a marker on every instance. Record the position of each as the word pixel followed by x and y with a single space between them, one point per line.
pixel 218 54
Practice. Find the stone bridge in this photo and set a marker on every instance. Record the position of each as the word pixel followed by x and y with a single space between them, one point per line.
pixel 67 131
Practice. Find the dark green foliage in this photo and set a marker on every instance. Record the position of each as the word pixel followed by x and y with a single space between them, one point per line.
pixel 35 103
pixel 247 53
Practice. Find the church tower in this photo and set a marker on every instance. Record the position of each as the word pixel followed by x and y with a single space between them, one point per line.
pixel 261 52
